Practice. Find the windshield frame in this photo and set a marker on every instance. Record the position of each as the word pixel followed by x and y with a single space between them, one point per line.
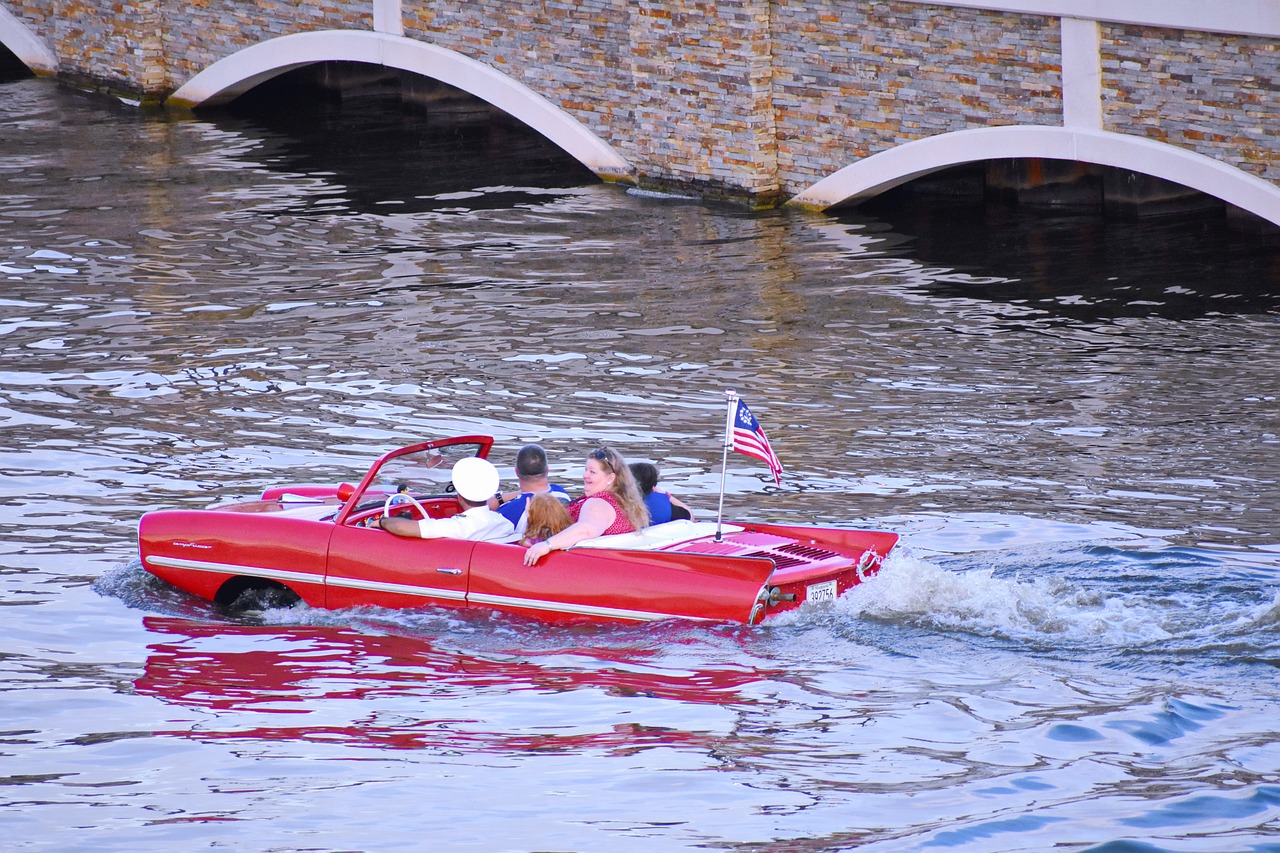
pixel 413 466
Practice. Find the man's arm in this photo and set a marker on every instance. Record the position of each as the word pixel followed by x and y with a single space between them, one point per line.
pixel 400 526
pixel 428 528
pixel 496 502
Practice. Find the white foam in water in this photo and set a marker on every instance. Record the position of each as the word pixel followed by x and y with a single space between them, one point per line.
pixel 911 590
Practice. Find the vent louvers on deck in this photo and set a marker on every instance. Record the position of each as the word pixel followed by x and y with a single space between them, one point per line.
pixel 808 552
pixel 784 554
pixel 781 561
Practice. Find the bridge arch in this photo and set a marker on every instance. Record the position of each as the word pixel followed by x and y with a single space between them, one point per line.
pixel 24 44
pixel 884 171
pixel 236 74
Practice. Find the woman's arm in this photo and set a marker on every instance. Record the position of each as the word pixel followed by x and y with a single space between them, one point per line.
pixel 596 517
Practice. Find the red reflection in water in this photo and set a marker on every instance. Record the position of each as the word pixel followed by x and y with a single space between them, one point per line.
pixel 236 670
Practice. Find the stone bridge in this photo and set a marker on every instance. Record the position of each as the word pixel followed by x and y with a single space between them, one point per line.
pixel 814 102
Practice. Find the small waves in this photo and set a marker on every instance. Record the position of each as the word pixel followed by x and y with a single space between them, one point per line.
pixel 1063 611
pixel 1042 611
pixel 1082 649
pixel 138 589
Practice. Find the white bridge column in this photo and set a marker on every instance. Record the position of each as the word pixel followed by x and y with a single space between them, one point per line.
pixel 1081 74
pixel 387 17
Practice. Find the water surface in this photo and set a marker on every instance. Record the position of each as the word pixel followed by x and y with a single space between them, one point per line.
pixel 1072 423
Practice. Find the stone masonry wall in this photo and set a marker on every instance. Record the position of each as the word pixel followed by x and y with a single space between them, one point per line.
pixel 1214 94
pixel 576 53
pixel 854 79
pixel 754 98
pixel 679 87
pixel 703 109
pixel 151 47
pixel 763 97
pixel 119 51
pixel 197 33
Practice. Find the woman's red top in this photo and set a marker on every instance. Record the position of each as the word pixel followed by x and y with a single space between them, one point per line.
pixel 621 524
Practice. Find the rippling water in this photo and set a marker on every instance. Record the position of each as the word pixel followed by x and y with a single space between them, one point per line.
pixel 1073 424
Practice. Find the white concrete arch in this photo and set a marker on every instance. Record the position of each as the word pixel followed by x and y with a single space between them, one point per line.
pixel 24 44
pixel 879 172
pixel 240 72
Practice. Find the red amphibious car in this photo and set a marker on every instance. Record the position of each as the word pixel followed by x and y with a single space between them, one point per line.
pixel 315 543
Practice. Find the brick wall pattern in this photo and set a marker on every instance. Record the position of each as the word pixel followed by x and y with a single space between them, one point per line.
pixel 1214 94
pixel 760 98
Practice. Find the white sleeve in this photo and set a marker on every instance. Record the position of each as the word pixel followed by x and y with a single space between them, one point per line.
pixel 436 528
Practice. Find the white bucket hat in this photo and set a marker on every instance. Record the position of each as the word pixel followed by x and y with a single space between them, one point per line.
pixel 475 479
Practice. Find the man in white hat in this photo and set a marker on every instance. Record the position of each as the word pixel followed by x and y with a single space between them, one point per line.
pixel 474 481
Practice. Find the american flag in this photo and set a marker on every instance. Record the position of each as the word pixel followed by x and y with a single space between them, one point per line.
pixel 749 438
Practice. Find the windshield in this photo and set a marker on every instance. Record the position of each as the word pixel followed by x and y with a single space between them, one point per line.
pixel 424 471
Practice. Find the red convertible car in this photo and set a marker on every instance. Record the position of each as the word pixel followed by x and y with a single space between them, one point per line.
pixel 315 543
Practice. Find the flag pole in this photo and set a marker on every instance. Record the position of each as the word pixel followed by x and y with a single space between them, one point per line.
pixel 731 398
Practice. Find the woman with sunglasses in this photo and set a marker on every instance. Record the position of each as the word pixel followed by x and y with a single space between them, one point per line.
pixel 610 503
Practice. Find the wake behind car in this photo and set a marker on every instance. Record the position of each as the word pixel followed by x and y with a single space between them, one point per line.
pixel 321 545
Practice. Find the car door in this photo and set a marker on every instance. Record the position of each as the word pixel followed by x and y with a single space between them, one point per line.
pixel 601 584
pixel 368 566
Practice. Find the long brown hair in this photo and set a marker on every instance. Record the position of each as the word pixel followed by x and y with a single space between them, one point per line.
pixel 624 486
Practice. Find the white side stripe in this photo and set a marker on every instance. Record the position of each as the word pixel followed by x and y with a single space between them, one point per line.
pixel 424 591
pixel 232 568
pixel 399 588
pixel 582 609
pixel 305 577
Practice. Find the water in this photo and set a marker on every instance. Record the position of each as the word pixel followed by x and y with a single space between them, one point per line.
pixel 1073 424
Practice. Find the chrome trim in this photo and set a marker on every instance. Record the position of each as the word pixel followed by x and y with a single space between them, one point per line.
pixel 424 591
pixel 580 609
pixel 399 588
pixel 305 577
pixel 234 569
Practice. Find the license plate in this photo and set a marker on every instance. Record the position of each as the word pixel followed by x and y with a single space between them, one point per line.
pixel 825 591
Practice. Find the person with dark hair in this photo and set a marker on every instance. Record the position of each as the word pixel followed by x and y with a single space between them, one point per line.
pixel 531 472
pixel 662 506
pixel 611 503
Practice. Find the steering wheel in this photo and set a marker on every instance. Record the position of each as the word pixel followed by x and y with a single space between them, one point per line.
pixel 399 499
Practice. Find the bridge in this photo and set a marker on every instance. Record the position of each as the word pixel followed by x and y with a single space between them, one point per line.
pixel 817 103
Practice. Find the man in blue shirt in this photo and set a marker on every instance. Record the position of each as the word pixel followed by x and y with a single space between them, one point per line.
pixel 531 471
pixel 662 506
